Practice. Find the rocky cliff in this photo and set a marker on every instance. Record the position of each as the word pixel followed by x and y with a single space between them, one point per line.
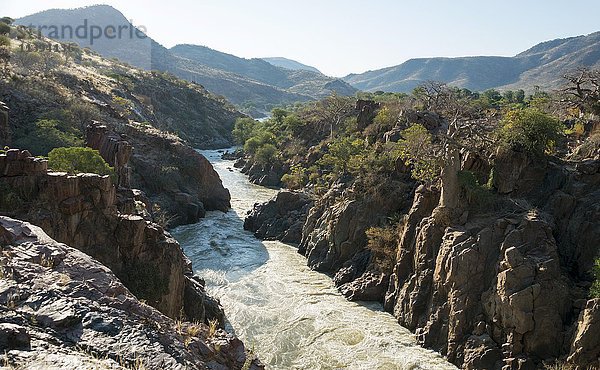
pixel 83 211
pixel 506 286
pixel 494 280
pixel 62 309
pixel 179 182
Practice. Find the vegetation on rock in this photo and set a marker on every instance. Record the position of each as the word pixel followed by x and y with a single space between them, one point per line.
pixel 79 160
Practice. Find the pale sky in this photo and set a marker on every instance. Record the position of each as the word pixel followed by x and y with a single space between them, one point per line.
pixel 348 36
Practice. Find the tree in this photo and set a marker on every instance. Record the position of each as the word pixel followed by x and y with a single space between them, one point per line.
pixel 79 160
pixel 583 90
pixel 417 151
pixel 243 129
pixel 333 110
pixel 531 130
pixel 4 28
pixel 265 154
pixel 343 154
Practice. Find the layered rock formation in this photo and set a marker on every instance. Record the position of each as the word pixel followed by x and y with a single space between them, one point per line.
pixel 83 211
pixel 62 309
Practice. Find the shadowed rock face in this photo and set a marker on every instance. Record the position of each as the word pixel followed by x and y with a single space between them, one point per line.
pixel 82 211
pixel 282 218
pixel 62 309
pixel 176 178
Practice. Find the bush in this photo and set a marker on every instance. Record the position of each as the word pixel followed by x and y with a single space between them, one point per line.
pixel 595 289
pixel 416 150
pixel 383 243
pixel 48 134
pixel 296 179
pixel 530 130
pixel 477 196
pixel 10 199
pixel 243 129
pixel 265 154
pixel 4 28
pixel 79 160
pixel 344 154
pixel 4 41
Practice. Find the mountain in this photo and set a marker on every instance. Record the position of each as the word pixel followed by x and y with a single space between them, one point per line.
pixel 543 65
pixel 253 84
pixel 290 64
pixel 302 82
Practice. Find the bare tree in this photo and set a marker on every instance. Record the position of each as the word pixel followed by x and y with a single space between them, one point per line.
pixel 333 110
pixel 583 90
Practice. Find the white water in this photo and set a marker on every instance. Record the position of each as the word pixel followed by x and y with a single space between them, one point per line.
pixel 292 316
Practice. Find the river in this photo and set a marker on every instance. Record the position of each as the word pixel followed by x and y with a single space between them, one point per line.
pixel 293 317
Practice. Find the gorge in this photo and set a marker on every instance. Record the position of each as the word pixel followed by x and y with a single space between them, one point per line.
pixel 426 228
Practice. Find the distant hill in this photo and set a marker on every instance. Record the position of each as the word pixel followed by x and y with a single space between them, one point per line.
pixel 290 64
pixel 543 65
pixel 303 82
pixel 253 84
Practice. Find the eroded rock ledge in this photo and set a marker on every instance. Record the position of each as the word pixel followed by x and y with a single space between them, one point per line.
pixel 62 309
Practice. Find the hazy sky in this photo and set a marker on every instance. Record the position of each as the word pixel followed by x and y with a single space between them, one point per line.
pixel 348 36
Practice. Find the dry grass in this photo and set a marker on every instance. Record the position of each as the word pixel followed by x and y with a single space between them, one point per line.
pixel 213 326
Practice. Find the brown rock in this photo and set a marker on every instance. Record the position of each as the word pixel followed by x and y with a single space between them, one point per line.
pixel 585 348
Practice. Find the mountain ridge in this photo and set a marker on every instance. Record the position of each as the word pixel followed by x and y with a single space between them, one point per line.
pixel 290 64
pixel 254 85
pixel 542 65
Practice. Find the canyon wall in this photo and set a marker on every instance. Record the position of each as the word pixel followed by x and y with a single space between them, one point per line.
pixel 83 211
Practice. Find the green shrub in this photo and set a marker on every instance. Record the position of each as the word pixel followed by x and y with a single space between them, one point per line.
pixel 79 160
pixel 595 289
pixel 4 28
pixel 48 134
pixel 265 154
pixel 10 199
pixel 4 41
pixel 296 179
pixel 531 130
pixel 243 129
pixel 477 196
pixel 383 244
pixel 344 154
pixel 416 150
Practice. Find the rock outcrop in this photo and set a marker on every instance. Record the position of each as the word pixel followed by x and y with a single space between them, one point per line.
pixel 263 175
pixel 334 236
pixel 503 287
pixel 82 211
pixel 60 308
pixel 282 218
pixel 180 183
